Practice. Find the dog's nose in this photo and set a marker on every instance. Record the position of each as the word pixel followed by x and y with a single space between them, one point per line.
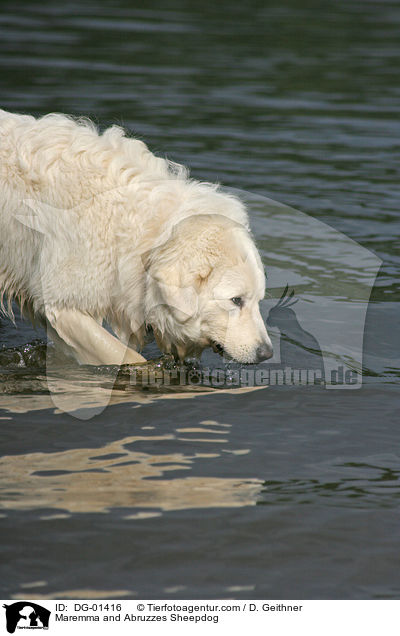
pixel 264 352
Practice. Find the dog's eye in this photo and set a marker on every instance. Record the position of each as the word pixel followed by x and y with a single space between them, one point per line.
pixel 237 301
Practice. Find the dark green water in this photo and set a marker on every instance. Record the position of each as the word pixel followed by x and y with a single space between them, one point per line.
pixel 282 492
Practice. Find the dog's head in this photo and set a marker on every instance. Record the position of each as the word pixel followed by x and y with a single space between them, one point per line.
pixel 203 289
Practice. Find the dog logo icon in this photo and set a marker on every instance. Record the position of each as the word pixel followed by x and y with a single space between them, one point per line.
pixel 298 347
pixel 26 615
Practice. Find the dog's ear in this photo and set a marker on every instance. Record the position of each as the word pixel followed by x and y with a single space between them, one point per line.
pixel 182 301
pixel 202 277
pixel 179 269
pixel 167 287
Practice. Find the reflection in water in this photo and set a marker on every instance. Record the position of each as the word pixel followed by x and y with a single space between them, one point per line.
pixel 83 399
pixel 117 476
pixel 85 391
pixel 381 489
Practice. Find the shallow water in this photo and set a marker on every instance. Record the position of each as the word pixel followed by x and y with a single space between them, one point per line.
pixel 111 489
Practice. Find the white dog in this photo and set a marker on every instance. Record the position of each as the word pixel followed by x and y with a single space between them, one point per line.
pixel 95 228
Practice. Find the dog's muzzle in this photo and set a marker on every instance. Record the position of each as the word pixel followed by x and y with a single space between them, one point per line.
pixel 217 348
pixel 264 352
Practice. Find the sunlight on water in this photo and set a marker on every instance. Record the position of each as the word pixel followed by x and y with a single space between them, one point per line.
pixel 128 479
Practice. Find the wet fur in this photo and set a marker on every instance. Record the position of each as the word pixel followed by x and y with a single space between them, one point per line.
pixel 96 224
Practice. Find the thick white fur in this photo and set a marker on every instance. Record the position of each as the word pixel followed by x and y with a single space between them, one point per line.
pixel 96 228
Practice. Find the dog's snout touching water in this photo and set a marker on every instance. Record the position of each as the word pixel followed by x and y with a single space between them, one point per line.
pixel 96 228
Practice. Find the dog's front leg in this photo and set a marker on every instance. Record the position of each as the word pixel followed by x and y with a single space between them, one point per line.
pixel 89 341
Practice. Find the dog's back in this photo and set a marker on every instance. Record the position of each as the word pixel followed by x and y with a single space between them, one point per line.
pixel 64 161
pixel 95 227
pixel 62 165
